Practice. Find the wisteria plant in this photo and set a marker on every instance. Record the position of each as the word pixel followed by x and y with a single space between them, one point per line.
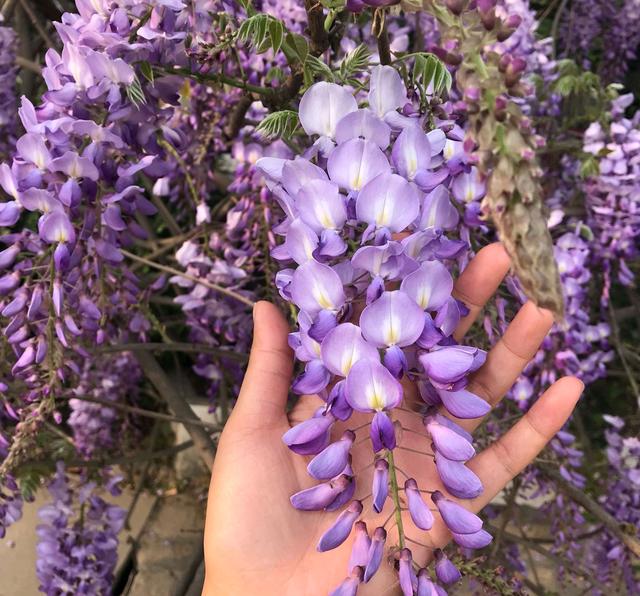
pixel 171 162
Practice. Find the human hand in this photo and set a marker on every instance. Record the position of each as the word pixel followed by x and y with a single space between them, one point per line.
pixel 256 542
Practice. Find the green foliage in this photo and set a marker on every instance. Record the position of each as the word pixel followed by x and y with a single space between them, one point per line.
pixel 248 6
pixel 147 71
pixel 586 100
pixel 353 64
pixel 430 75
pixel 262 32
pixel 334 4
pixel 584 231
pixel 316 68
pixel 275 73
pixel 589 166
pixel 30 478
pixel 295 48
pixel 279 125
pixel 135 94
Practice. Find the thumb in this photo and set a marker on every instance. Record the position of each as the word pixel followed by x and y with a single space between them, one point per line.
pixel 263 396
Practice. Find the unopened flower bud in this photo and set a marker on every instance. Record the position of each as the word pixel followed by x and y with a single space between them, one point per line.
pixel 472 94
pixel 446 571
pixel 380 487
pixel 376 550
pixel 361 546
pixel 332 460
pixel 406 574
pixel 341 528
pixel 455 6
pixel 418 509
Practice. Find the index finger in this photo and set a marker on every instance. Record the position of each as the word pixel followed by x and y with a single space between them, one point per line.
pixel 479 282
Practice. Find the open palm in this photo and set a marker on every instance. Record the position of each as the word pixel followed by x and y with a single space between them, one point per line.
pixel 257 543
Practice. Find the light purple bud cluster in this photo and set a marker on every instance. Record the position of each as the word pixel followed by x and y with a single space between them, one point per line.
pixel 10 504
pixel 614 209
pixel 622 501
pixel 77 553
pixel 366 210
pixel 73 193
pixel 233 258
pixel 97 428
pixel 8 107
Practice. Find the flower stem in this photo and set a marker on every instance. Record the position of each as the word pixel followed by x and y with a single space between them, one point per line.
pixel 396 497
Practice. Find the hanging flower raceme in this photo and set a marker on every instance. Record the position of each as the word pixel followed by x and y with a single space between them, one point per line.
pixel 72 192
pixel 367 265
pixel 78 551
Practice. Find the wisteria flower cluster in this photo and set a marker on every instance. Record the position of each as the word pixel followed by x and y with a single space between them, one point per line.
pixel 147 151
pixel 78 555
pixel 365 221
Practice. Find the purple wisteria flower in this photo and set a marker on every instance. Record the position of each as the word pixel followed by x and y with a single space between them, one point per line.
pixel 368 268
pixel 8 107
pixel 77 553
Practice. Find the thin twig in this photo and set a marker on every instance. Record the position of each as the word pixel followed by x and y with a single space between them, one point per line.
pixel 7 9
pixel 206 284
pixel 118 461
pixel 33 17
pixel 166 247
pixel 146 413
pixel 193 192
pixel 23 62
pixel 556 24
pixel 555 557
pixel 623 359
pixel 610 522
pixel 143 475
pixel 416 451
pixel 532 563
pixel 178 405
pixel 384 50
pixel 506 516
pixel 172 347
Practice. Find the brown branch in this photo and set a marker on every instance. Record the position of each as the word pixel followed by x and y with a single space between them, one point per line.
pixel 617 342
pixel 119 461
pixel 165 387
pixel 206 284
pixel 146 413
pixel 237 117
pixel 315 23
pixel 384 50
pixel 23 62
pixel 144 472
pixel 33 17
pixel 172 347
pixel 506 516
pixel 610 522
pixel 555 557
pixel 7 9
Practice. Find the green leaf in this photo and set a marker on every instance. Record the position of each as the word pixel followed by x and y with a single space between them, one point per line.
pixel 135 94
pixel 275 73
pixel 276 33
pixel 585 232
pixel 295 48
pixel 565 85
pixel 354 62
pixel 30 478
pixel 589 167
pixel 317 68
pixel 147 71
pixel 431 75
pixel 248 6
pixel 279 125
pixel 262 32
